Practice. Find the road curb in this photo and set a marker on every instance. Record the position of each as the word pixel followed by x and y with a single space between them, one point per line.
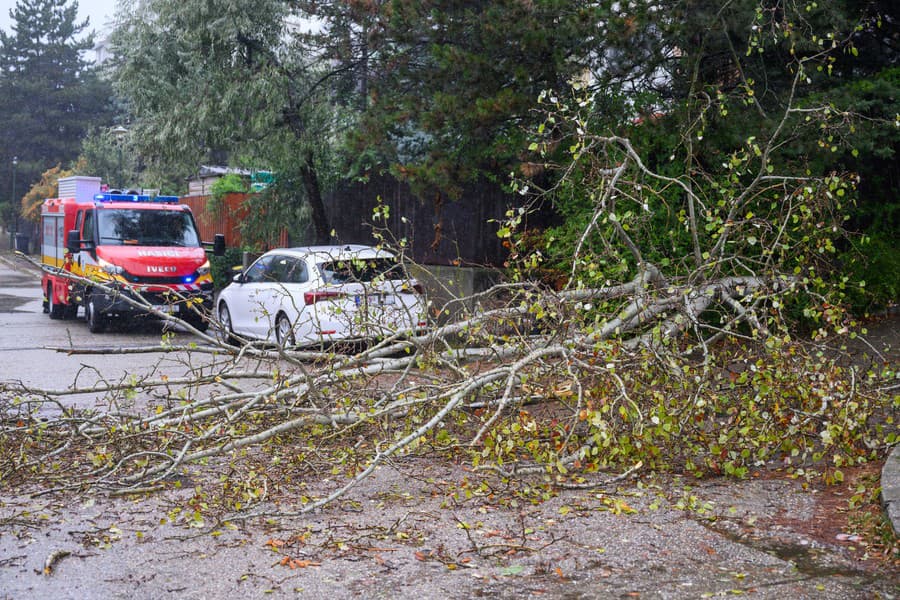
pixel 890 487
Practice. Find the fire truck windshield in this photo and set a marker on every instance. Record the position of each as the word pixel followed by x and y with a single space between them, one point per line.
pixel 118 227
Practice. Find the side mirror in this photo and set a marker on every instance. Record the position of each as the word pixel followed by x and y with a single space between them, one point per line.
pixel 219 245
pixel 239 278
pixel 73 241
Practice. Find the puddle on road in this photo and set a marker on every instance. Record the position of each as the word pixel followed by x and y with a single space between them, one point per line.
pixel 10 303
pixel 809 560
pixel 18 279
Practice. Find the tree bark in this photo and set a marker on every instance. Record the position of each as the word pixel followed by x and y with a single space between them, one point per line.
pixel 314 197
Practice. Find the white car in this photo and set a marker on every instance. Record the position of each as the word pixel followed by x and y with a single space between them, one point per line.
pixel 320 294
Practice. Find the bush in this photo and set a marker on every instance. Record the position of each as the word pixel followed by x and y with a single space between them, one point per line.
pixel 222 267
pixel 872 274
pixel 229 184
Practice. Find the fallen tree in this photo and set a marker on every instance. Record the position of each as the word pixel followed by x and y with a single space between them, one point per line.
pixel 634 361
pixel 530 387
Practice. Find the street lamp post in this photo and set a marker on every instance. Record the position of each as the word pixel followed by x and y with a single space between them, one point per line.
pixel 15 231
pixel 120 132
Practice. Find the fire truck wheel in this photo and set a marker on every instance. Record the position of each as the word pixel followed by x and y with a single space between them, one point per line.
pixel 96 322
pixel 71 311
pixel 55 310
pixel 284 333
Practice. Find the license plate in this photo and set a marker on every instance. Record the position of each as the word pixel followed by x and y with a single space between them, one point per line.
pixel 371 300
pixel 164 308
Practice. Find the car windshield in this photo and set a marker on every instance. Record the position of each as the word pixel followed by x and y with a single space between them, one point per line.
pixel 134 227
pixel 361 270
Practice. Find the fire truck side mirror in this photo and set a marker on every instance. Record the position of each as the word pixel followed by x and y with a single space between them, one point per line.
pixel 219 245
pixel 75 244
pixel 73 241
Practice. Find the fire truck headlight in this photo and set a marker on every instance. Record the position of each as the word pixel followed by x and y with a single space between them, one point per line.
pixel 110 268
pixel 203 269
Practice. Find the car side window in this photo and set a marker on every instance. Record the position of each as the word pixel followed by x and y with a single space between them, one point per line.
pixel 298 273
pixel 336 272
pixel 279 268
pixel 258 271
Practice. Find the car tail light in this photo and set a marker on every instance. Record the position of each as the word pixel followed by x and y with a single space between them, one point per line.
pixel 319 295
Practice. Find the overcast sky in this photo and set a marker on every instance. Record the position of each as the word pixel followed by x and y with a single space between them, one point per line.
pixel 99 12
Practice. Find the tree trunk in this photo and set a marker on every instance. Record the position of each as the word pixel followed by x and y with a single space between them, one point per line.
pixel 314 197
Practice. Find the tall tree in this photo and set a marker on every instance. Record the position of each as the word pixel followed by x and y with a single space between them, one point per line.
pixel 228 81
pixel 49 95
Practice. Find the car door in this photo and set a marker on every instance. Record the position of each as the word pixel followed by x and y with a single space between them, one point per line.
pixel 243 302
pixel 276 294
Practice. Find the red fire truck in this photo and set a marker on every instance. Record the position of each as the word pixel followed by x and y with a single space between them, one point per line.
pixel 121 255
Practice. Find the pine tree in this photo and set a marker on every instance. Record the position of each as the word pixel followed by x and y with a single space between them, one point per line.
pixel 50 96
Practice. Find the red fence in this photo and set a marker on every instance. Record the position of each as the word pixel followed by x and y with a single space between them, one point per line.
pixel 226 220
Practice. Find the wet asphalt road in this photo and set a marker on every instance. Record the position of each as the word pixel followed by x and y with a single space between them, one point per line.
pixel 33 347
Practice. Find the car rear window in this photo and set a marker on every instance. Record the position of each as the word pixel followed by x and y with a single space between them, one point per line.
pixel 361 270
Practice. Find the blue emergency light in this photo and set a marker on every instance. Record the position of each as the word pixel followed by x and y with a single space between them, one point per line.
pixel 108 197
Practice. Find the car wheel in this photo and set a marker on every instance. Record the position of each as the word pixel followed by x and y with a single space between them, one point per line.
pixel 284 332
pixel 55 310
pixel 96 322
pixel 227 330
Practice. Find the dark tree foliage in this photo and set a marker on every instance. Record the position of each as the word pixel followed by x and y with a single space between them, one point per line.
pixel 50 96
pixel 443 93
pixel 348 36
pixel 859 45
pixel 451 85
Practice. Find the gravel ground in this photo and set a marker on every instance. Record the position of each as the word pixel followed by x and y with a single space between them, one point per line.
pixel 403 534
